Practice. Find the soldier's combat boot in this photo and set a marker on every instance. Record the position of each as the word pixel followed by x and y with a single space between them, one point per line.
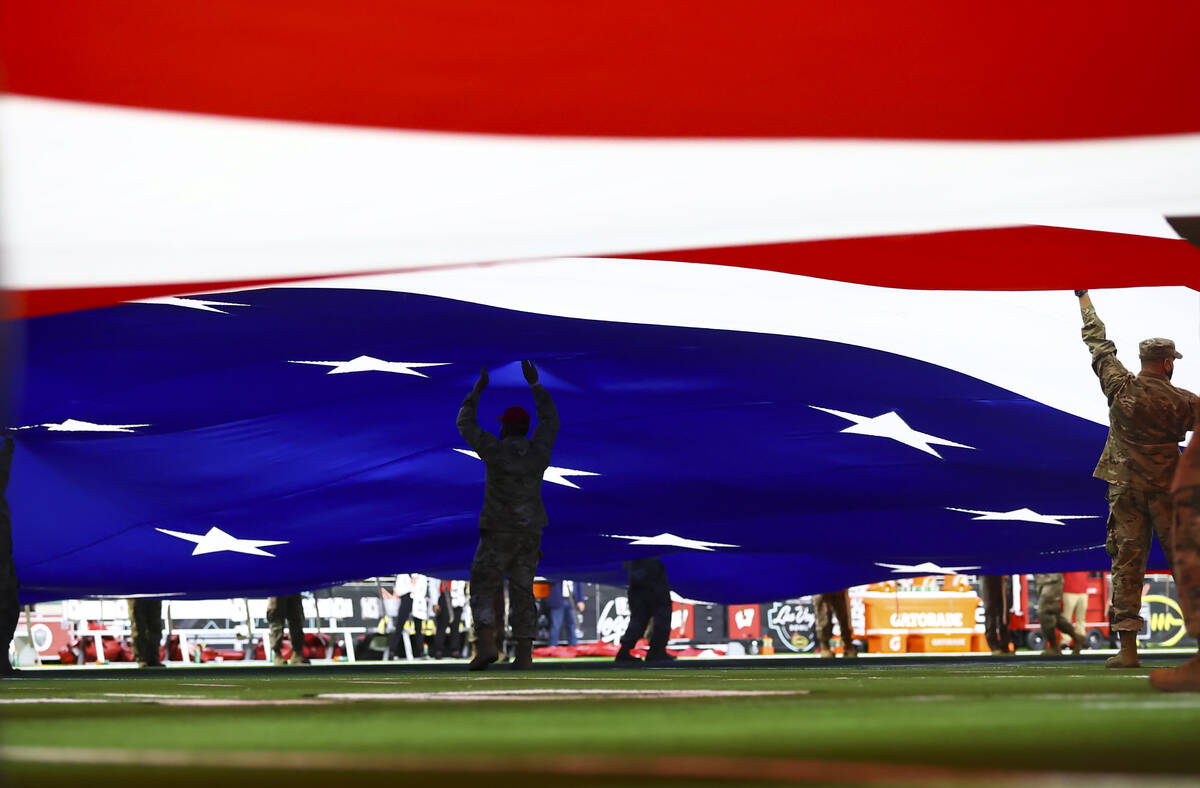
pixel 1127 657
pixel 849 650
pixel 1078 644
pixel 277 659
pixel 825 651
pixel 626 657
pixel 297 658
pixel 1185 678
pixel 524 656
pixel 485 649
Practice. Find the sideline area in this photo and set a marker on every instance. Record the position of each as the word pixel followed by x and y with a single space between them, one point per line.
pixel 881 721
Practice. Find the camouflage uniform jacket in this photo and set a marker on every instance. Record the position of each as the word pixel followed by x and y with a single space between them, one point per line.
pixel 1148 417
pixel 512 498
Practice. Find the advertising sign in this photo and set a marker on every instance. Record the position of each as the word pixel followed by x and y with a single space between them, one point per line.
pixel 745 622
pixel 683 621
pixel 793 624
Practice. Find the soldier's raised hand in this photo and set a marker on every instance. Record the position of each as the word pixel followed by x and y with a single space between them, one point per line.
pixel 530 371
pixel 482 383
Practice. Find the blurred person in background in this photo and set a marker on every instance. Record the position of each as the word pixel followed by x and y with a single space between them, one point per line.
pixel 424 611
pixel 402 593
pixel 289 609
pixel 828 606
pixel 145 631
pixel 1185 493
pixel 649 598
pixel 1075 601
pixel 1050 614
pixel 997 603
pixel 562 604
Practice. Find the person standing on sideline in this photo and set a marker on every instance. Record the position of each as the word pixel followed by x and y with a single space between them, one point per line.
pixel 996 606
pixel 1050 614
pixel 441 620
pixel 458 604
pixel 10 606
pixel 649 603
pixel 402 592
pixel 1075 601
pixel 512 517
pixel 1148 417
pixel 288 608
pixel 145 631
pixel 827 607
pixel 562 604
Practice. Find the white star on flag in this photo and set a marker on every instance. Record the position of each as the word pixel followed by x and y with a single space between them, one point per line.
pixel 552 474
pixel 890 425
pixel 1024 515
pixel 217 541
pixel 75 425
pixel 927 568
pixel 188 303
pixel 372 364
pixel 670 540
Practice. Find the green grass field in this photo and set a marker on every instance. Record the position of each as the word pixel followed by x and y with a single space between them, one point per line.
pixel 918 722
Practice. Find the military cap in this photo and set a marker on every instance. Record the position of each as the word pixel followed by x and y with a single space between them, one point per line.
pixel 1158 348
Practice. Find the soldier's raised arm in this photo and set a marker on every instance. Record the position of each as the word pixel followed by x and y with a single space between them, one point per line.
pixel 1112 373
pixel 479 439
pixel 546 431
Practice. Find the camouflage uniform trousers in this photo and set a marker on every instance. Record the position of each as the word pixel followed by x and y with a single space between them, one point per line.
pixel 1187 552
pixel 291 609
pixel 145 630
pixel 515 554
pixel 1134 514
pixel 826 607
pixel 1049 607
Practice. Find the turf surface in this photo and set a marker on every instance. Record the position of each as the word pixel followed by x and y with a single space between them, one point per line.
pixel 963 722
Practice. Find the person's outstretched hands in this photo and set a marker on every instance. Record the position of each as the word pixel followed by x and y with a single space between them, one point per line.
pixel 530 371
pixel 482 383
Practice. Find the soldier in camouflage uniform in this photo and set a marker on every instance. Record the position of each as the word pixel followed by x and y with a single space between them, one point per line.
pixel 145 630
pixel 1148 417
pixel 10 609
pixel 291 609
pixel 512 519
pixel 1185 494
pixel 1050 617
pixel 827 606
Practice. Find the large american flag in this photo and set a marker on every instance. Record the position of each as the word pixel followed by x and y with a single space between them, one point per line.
pixel 779 262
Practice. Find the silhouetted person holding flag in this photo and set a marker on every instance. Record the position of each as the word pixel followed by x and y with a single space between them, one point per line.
pixel 512 519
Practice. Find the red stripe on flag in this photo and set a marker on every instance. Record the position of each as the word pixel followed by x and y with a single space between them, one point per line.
pixel 941 69
pixel 1010 258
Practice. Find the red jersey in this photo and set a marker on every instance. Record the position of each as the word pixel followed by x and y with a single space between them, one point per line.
pixel 1075 582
